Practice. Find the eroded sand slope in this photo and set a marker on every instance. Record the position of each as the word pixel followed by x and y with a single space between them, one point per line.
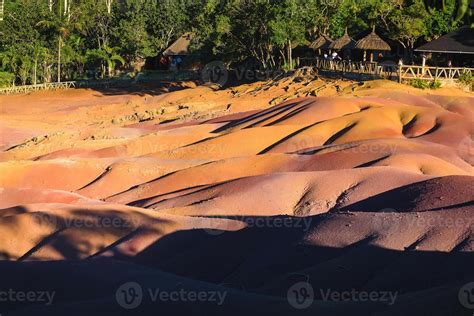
pixel 366 187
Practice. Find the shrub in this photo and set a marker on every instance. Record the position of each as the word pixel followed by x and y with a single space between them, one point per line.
pixel 467 78
pixel 6 79
pixel 435 84
pixel 419 83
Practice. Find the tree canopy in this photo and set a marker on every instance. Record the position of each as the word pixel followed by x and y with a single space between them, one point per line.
pixel 48 40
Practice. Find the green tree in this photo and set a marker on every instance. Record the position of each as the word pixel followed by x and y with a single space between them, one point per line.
pixel 106 57
pixel 287 28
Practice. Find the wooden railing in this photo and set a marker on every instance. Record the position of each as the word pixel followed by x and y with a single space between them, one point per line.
pixel 432 73
pixel 64 85
pixel 37 87
pixel 389 71
pixel 352 67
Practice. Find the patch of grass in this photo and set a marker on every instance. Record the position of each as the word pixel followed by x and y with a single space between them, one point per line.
pixel 6 79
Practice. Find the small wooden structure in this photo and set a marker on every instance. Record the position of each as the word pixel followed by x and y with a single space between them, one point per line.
pixel 178 50
pixel 321 43
pixel 372 43
pixel 180 47
pixel 343 44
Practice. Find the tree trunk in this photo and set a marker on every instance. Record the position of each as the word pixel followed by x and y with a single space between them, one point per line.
pixel 108 3
pixel 35 71
pixel 290 55
pixel 59 59
pixel 2 8
pixel 67 9
pixel 283 55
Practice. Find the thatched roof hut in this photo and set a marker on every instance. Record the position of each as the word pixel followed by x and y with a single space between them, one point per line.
pixel 372 42
pixel 180 46
pixel 322 42
pixel 343 43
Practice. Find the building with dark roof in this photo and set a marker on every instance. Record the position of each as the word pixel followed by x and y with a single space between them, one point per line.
pixel 460 41
pixel 453 49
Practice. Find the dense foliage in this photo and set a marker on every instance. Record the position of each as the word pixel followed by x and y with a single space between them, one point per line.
pixel 49 40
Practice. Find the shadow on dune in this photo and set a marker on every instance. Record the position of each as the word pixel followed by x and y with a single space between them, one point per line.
pixel 129 87
pixel 255 268
pixel 83 233
pixel 433 194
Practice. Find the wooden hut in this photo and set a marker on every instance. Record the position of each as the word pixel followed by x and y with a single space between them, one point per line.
pixel 321 43
pixel 179 47
pixel 343 44
pixel 372 43
pixel 177 51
